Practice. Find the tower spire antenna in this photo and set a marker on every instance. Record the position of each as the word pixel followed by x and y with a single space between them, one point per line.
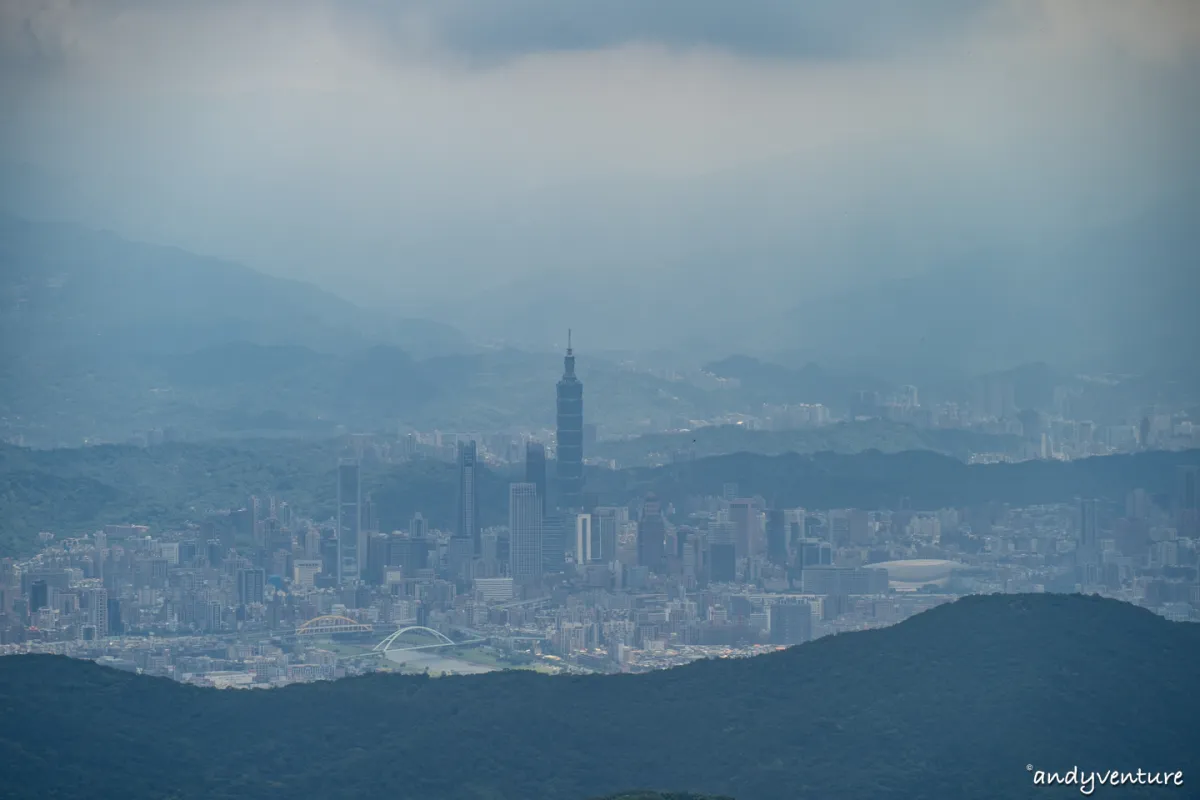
pixel 568 341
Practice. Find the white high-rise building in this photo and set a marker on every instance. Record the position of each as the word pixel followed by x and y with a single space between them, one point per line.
pixel 583 538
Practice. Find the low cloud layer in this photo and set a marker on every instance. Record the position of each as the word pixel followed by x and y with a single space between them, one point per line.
pixel 419 153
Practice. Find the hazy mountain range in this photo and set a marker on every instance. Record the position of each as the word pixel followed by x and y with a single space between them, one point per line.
pixel 65 287
pixel 101 337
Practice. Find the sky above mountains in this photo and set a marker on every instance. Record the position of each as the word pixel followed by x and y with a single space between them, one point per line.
pixel 459 158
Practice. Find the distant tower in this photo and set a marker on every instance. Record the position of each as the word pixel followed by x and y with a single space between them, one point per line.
pixel 1088 524
pixel 251 586
pixel 652 536
pixel 777 537
pixel 39 595
pixel 1187 501
pixel 744 516
pixel 570 435
pixel 535 470
pixel 468 496
pixel 1088 550
pixel 525 533
pixel 349 520
pixel 417 527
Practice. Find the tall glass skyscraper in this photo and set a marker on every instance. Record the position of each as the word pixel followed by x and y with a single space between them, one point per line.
pixel 1187 501
pixel 570 435
pixel 652 536
pixel 349 520
pixel 525 532
pixel 468 496
pixel 535 469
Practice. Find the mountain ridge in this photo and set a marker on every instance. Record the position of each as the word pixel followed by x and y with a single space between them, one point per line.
pixel 841 437
pixel 59 278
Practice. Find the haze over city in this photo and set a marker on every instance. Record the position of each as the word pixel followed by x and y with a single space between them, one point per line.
pixel 626 400
pixel 504 161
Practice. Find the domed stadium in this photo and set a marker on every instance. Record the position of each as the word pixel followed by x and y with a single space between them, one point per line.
pixel 918 570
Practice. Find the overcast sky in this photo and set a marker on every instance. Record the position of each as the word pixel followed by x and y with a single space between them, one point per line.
pixel 407 153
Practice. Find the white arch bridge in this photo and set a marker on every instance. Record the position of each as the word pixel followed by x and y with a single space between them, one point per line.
pixel 334 624
pixel 439 640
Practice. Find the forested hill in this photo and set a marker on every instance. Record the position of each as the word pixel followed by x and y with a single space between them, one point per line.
pixel 955 702
pixel 921 479
pixel 74 491
pixel 844 437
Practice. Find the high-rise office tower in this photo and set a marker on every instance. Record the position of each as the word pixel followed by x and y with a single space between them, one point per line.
pixel 251 586
pixel 39 595
pixel 1089 534
pixel 1187 502
pixel 744 516
pixel 378 553
pixel 604 534
pixel 349 520
pixel 410 553
pixel 556 532
pixel 468 496
pixel 524 532
pixel 652 536
pixel 312 543
pixel 569 439
pixel 722 553
pixel 777 537
pixel 369 516
pixel 417 526
pixel 535 469
pixel 583 538
pixel 98 611
pixel 115 626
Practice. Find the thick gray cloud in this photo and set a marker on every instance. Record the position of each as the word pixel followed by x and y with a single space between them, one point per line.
pixel 425 155
pixel 484 29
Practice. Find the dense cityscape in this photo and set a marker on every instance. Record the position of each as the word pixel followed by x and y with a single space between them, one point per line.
pixel 264 596
pixel 628 400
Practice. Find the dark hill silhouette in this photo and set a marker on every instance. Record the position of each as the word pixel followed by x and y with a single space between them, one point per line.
pixel 662 796
pixel 952 703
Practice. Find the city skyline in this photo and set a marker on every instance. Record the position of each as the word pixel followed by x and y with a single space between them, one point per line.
pixel 884 482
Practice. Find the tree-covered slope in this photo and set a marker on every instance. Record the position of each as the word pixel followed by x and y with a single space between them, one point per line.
pixel 845 437
pixel 921 479
pixel 955 702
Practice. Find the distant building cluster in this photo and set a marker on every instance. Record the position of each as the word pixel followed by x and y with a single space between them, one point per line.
pixel 264 595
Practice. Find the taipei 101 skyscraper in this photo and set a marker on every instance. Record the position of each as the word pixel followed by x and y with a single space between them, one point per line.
pixel 570 435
